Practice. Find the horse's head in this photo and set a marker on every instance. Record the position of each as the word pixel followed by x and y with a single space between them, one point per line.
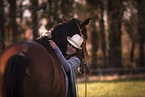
pixel 69 28
pixel 83 54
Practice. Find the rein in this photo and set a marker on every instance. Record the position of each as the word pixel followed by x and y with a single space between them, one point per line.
pixel 84 60
pixel 85 53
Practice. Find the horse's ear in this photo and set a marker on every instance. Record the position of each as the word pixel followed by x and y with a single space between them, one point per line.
pixel 83 24
pixel 64 19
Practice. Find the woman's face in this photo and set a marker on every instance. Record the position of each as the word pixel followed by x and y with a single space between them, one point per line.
pixel 70 50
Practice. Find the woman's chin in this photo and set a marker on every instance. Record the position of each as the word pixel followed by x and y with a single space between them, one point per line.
pixel 68 53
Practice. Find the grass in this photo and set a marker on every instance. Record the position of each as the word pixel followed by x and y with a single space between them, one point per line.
pixel 114 88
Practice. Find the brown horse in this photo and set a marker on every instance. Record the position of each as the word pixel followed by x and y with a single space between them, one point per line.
pixel 44 77
pixel 31 69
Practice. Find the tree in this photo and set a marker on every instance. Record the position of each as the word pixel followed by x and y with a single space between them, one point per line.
pixel 130 24
pixel 96 11
pixel 13 23
pixel 115 13
pixel 58 9
pixel 67 8
pixel 102 30
pixel 93 9
pixel 94 40
pixel 34 8
pixel 2 32
pixel 49 14
pixel 141 31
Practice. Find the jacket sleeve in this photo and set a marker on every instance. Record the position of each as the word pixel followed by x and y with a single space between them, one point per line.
pixel 70 64
pixel 62 59
pixel 75 63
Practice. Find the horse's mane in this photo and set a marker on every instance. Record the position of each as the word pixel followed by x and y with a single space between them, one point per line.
pixel 62 30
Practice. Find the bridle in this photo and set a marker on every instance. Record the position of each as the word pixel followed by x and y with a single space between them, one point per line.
pixel 84 51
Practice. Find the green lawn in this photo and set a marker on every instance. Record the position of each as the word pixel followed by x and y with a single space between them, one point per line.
pixel 116 88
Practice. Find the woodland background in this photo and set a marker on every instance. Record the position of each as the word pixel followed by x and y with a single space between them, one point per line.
pixel 116 33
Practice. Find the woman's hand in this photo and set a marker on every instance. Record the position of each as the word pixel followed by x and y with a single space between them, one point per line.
pixel 52 44
pixel 45 32
pixel 48 34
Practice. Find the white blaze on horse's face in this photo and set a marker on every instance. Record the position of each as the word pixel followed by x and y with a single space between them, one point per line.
pixel 70 50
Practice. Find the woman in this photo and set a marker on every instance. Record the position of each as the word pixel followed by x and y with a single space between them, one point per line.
pixel 59 35
pixel 70 62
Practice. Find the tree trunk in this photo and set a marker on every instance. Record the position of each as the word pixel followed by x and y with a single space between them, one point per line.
pixel 141 30
pixel 114 22
pixel 102 32
pixel 49 15
pixel 94 41
pixel 13 23
pixel 2 32
pixel 132 52
pixel 67 8
pixel 34 18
